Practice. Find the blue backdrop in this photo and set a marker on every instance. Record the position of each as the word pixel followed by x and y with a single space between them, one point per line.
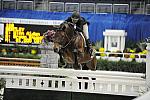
pixel 136 26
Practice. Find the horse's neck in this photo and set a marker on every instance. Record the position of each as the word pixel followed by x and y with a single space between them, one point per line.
pixel 76 38
pixel 70 34
pixel 80 42
pixel 70 31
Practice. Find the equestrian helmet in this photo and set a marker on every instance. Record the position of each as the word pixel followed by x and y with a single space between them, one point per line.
pixel 75 15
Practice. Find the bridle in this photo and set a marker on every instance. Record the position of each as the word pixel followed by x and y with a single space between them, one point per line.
pixel 70 40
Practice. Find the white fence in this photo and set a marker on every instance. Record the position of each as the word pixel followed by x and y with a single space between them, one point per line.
pixel 101 82
pixel 138 57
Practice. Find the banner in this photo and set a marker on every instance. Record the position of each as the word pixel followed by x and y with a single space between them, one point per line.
pixel 25 33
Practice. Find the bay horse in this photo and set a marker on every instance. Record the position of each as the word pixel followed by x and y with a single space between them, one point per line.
pixel 70 44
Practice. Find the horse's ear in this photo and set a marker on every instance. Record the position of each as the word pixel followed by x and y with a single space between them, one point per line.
pixel 62 26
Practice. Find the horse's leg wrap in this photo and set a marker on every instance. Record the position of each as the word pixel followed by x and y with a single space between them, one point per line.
pixel 62 62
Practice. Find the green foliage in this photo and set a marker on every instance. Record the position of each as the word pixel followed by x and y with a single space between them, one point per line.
pixel 130 44
pixel 21 55
pixel 99 44
pixel 124 66
pixel 17 51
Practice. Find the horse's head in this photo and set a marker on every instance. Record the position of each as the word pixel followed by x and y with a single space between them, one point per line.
pixel 58 40
pixel 62 36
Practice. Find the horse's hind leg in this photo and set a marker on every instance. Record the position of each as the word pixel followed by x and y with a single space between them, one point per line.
pixel 84 67
pixel 92 64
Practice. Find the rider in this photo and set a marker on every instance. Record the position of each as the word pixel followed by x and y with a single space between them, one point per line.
pixel 80 25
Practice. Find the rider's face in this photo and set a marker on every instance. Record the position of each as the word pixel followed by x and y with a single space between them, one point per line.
pixel 75 20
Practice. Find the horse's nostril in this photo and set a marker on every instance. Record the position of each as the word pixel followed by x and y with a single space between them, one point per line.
pixel 56 50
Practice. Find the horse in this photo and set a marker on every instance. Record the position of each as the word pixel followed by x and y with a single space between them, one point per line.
pixel 70 45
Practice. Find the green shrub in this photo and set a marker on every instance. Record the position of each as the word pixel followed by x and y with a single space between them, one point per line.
pixel 124 66
pixel 20 55
pixel 17 51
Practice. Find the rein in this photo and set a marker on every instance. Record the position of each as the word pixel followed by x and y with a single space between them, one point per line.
pixel 67 43
pixel 70 40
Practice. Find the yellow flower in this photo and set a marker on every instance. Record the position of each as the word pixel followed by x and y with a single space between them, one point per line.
pixel 33 51
pixel 101 49
pixel 132 56
pixel 144 52
pixel 132 51
pixel 102 54
pixel 140 52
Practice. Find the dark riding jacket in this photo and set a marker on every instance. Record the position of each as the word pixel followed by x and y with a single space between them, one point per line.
pixel 79 24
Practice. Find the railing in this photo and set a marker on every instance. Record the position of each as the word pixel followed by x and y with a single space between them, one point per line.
pixel 121 56
pixel 136 7
pixel 100 82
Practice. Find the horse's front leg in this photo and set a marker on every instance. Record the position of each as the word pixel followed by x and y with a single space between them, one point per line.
pixel 76 64
pixel 61 60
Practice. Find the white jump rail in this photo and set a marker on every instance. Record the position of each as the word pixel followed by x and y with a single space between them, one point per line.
pixel 100 82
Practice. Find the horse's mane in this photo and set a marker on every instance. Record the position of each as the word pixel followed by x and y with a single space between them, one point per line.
pixel 68 27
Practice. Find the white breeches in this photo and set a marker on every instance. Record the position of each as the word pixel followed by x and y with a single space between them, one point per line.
pixel 85 30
